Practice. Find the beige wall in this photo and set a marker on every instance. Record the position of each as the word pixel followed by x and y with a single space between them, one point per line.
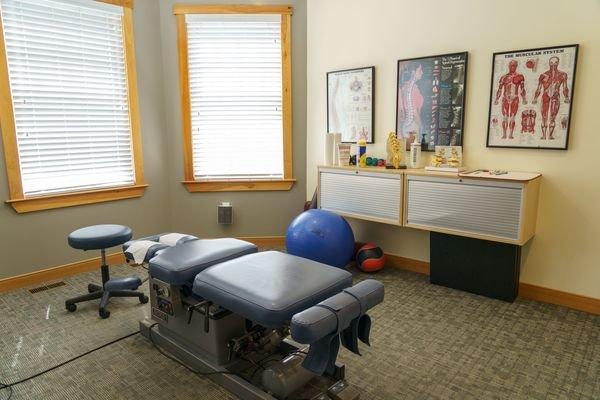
pixel 29 242
pixel 38 240
pixel 357 33
pixel 255 213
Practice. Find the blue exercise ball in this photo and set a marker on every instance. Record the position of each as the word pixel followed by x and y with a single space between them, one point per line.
pixel 321 236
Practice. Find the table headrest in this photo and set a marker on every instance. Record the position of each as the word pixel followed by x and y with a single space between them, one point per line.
pixel 180 264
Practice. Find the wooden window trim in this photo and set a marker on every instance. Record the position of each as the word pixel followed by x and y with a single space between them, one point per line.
pixel 193 185
pixel 179 9
pixel 121 3
pixel 18 200
pixel 236 185
pixel 71 199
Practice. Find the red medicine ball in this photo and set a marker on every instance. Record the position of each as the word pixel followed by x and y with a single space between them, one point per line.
pixel 370 258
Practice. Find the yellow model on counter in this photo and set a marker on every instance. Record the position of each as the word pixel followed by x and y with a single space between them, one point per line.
pixel 454 161
pixel 439 158
pixel 395 150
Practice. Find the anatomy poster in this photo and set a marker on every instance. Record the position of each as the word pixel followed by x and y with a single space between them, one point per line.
pixel 531 98
pixel 431 100
pixel 350 104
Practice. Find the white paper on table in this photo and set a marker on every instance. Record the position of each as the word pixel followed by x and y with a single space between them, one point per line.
pixel 171 239
pixel 509 176
pixel 139 249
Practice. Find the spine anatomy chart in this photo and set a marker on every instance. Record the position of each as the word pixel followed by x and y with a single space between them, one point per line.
pixel 430 100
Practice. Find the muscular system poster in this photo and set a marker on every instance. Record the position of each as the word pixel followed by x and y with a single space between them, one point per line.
pixel 350 104
pixel 531 98
pixel 431 100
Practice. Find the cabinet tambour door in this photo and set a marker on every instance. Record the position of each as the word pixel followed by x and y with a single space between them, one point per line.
pixel 367 195
pixel 483 208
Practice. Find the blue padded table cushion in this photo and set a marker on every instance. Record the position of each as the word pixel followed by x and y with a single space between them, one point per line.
pixel 98 237
pixel 178 265
pixel 270 287
pixel 315 323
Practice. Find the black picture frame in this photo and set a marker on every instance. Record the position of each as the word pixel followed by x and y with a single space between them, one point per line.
pixel 527 53
pixel 465 55
pixel 372 94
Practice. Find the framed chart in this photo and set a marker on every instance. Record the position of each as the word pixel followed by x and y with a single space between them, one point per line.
pixel 531 98
pixel 350 104
pixel 430 100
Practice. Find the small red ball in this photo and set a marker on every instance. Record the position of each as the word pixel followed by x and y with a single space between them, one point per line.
pixel 370 258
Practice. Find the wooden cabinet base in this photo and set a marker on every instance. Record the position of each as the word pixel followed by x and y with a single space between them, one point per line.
pixel 478 266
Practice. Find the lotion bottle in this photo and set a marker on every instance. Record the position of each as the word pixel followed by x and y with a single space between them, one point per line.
pixel 415 154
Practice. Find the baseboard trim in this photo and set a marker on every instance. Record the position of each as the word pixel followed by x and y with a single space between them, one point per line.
pixel 265 241
pixel 409 264
pixel 553 296
pixel 63 271
pixel 58 272
pixel 526 290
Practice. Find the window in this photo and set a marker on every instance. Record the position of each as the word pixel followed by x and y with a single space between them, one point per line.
pixel 69 110
pixel 235 73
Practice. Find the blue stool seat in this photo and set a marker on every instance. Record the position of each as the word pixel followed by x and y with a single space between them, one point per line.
pixel 97 237
pixel 127 283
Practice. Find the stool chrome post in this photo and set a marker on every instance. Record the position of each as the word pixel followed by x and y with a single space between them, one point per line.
pixel 104 267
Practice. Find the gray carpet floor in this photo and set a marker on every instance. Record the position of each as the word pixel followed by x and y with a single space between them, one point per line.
pixel 428 342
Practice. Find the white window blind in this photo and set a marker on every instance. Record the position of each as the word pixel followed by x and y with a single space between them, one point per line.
pixel 69 89
pixel 234 64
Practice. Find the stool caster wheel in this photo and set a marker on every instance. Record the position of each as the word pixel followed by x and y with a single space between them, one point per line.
pixel 144 299
pixel 71 307
pixel 103 313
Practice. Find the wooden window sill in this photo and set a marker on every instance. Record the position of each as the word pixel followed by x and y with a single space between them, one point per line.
pixel 76 198
pixel 238 185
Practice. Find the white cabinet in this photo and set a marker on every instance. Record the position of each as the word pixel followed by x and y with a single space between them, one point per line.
pixel 501 209
pixel 375 196
pixel 472 207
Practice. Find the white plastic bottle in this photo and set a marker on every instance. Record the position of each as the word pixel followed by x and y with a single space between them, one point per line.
pixel 415 155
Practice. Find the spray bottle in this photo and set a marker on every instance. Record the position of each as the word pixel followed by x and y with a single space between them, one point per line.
pixel 362 153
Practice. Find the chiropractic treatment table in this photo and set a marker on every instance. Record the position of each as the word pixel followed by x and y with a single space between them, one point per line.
pixel 264 325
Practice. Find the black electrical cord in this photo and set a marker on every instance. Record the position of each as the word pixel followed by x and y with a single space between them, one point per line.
pixel 9 386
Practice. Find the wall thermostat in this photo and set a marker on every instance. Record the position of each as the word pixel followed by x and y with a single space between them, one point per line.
pixel 225 213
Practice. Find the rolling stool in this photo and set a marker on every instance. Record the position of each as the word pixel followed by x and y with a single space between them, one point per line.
pixel 101 237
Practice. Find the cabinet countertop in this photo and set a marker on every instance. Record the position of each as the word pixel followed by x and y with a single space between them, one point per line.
pixel 513 176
